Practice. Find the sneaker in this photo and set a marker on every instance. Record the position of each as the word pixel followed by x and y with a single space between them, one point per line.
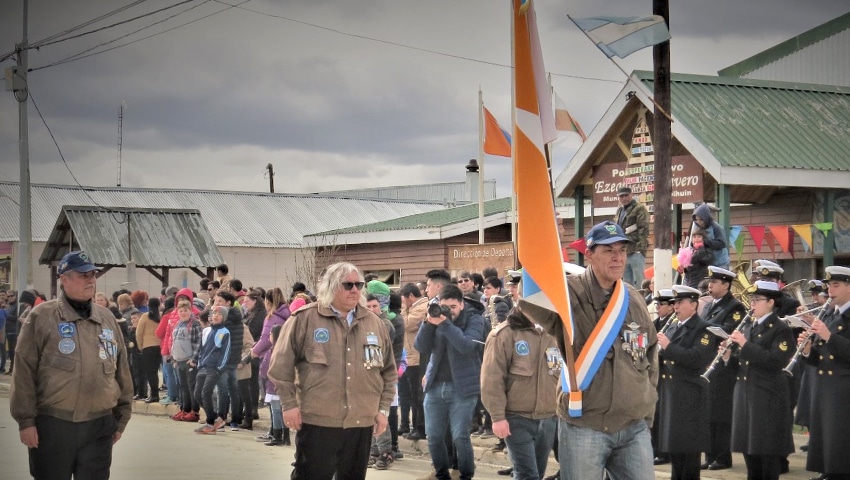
pixel 152 400
pixel 499 447
pixel 371 462
pixel 178 417
pixel 264 437
pixel 203 428
pixel 234 427
pixel 385 461
pixel 487 433
pixel 190 417
pixel 219 423
pixel 166 400
pixel 208 430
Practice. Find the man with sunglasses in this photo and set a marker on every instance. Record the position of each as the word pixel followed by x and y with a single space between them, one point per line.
pixel 342 355
pixel 71 390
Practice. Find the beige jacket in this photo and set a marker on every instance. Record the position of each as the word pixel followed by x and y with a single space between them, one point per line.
pixel 413 318
pixel 319 365
pixel 71 368
pixel 520 373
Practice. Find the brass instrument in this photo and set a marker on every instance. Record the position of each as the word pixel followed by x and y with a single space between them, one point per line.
pixel 726 345
pixel 673 318
pixel 797 316
pixel 795 289
pixel 788 370
pixel 741 284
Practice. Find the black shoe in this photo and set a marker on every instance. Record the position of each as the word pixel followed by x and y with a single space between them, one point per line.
pixel 660 460
pixel 718 466
pixel 403 430
pixel 506 471
pixel 499 447
pixel 152 400
pixel 138 397
pixel 804 448
pixel 415 435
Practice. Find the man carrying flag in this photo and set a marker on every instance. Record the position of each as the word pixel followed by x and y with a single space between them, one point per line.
pixel 612 430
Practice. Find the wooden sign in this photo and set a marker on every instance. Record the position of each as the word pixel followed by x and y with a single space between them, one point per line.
pixel 475 258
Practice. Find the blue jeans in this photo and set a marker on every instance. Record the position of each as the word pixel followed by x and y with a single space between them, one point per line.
pixel 228 393
pixel 529 444
pixel 443 409
pixel 169 376
pixel 276 414
pixel 635 264
pixel 584 454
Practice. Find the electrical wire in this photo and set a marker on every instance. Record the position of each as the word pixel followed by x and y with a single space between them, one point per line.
pixel 109 42
pixel 74 58
pixel 62 156
pixel 99 29
pixel 398 44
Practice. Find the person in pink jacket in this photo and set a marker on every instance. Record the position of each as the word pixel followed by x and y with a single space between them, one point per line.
pixel 165 333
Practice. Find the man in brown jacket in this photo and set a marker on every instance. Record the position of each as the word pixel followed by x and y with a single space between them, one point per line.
pixel 71 391
pixel 341 355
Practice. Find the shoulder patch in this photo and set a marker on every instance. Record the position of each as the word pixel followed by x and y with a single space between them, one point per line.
pixel 521 348
pixel 783 346
pixel 736 316
pixel 321 335
pixel 704 340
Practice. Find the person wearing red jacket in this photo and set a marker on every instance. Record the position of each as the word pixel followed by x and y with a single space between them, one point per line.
pixel 165 333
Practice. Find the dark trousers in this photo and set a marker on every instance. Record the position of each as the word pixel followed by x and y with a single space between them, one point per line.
pixel 83 449
pixel 243 407
pixel 721 439
pixel 228 392
pixel 204 386
pixel 413 377
pixel 187 379
pixel 762 467
pixel 404 402
pixel 11 341
pixel 151 359
pixel 255 385
pixel 685 466
pixel 322 452
pixel 137 374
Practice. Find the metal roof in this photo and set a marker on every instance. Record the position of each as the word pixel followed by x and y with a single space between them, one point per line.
pixel 744 133
pixel 450 193
pixel 237 219
pixel 832 36
pixel 149 237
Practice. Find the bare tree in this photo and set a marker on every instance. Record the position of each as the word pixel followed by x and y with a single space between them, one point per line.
pixel 312 260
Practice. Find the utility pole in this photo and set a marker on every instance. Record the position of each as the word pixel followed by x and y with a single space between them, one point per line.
pixel 662 141
pixel 270 168
pixel 24 279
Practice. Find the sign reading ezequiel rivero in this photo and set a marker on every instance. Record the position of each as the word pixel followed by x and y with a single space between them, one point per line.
pixel 475 258
pixel 687 181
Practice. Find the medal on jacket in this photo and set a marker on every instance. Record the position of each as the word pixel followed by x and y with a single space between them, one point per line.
pixel 553 360
pixel 372 352
pixel 634 342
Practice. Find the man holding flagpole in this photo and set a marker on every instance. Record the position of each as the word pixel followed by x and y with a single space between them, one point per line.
pixel 611 432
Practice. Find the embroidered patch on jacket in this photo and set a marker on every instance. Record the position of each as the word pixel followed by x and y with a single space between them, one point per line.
pixel 521 348
pixel 321 335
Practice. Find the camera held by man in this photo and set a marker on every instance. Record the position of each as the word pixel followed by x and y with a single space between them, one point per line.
pixel 435 310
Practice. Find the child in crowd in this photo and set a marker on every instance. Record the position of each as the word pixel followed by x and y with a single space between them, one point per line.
pixel 211 360
pixel 280 434
pixel 695 259
pixel 185 347
pixel 381 455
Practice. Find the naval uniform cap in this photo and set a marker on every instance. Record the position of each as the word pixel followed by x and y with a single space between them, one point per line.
pixel 665 295
pixel 816 286
pixel 770 271
pixel 681 292
pixel 766 289
pixel 720 273
pixel 842 274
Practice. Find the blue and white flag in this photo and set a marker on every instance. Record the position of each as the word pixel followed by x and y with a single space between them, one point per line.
pixel 622 36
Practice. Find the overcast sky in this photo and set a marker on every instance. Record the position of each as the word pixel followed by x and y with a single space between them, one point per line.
pixel 211 103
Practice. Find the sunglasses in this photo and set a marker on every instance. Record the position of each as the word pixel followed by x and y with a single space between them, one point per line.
pixel 464 280
pixel 350 285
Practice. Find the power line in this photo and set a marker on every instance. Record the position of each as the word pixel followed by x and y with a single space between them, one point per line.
pixel 62 156
pixel 99 29
pixel 82 53
pixel 80 56
pixel 38 43
pixel 398 44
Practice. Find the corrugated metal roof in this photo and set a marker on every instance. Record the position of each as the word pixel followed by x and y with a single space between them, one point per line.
pixel 238 219
pixel 449 193
pixel 437 219
pixel 760 123
pixel 153 238
pixel 790 46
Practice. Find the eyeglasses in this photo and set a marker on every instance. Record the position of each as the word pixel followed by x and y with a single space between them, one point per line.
pixel 757 299
pixel 464 280
pixel 350 285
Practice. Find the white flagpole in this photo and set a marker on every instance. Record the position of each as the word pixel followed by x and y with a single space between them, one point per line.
pixel 480 167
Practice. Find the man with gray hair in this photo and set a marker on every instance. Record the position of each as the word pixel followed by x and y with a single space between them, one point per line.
pixel 342 356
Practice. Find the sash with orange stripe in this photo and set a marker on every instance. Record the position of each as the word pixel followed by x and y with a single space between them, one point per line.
pixel 596 347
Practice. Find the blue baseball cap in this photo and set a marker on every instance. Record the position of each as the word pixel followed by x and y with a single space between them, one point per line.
pixel 605 233
pixel 77 261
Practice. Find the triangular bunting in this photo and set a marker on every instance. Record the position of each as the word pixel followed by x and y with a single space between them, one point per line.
pixel 739 244
pixel 579 245
pixel 824 227
pixel 805 233
pixel 782 236
pixel 758 235
pixel 734 232
pixel 771 241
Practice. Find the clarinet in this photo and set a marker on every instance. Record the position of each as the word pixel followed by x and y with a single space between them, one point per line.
pixel 788 370
pixel 673 318
pixel 726 345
